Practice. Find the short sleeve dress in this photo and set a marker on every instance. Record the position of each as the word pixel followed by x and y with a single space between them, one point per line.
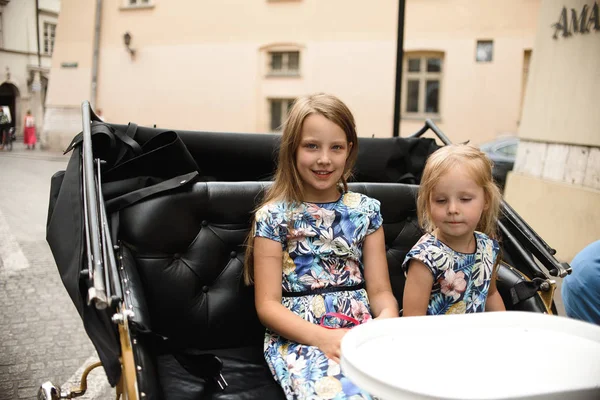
pixel 461 281
pixel 322 274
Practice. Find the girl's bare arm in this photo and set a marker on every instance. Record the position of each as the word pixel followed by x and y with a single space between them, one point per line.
pixel 381 298
pixel 268 258
pixel 417 289
pixel 494 300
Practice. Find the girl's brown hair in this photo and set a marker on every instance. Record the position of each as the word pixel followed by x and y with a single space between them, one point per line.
pixel 287 185
pixel 480 167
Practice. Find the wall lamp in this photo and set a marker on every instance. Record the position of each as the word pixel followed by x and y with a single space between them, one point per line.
pixel 127 41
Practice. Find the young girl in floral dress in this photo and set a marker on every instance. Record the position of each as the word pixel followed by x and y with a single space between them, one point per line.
pixel 452 268
pixel 316 253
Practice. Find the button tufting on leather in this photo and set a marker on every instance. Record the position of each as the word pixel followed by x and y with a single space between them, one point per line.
pixel 205 223
pixel 205 289
pixel 233 254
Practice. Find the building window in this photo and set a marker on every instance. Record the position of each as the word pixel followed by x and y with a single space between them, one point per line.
pixel 284 63
pixel 129 4
pixel 423 76
pixel 484 51
pixel 279 109
pixel 49 35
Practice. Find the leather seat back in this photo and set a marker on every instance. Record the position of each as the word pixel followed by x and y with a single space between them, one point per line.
pixel 220 154
pixel 189 251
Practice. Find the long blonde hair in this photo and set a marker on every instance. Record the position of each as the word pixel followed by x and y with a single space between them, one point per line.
pixel 480 167
pixel 287 185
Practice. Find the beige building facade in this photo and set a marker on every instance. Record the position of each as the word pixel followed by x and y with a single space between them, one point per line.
pixel 227 65
pixel 555 184
pixel 27 38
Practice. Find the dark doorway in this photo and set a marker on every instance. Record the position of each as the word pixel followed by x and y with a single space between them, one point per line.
pixel 8 97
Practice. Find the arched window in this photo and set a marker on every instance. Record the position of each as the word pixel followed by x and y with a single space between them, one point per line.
pixel 422 84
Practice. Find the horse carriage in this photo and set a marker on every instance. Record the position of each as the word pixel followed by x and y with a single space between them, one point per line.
pixel 147 228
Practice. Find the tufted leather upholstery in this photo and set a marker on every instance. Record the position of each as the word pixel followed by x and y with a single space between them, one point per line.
pixel 183 254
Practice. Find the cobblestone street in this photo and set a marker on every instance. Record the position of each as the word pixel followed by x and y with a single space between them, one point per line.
pixel 41 335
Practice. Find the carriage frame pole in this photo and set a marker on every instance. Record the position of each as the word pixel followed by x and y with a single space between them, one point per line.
pixel 399 63
pixel 97 292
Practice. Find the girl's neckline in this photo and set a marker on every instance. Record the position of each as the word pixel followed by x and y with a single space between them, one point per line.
pixel 456 251
pixel 325 202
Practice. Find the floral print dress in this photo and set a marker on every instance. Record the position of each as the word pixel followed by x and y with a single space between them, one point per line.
pixel 460 281
pixel 322 274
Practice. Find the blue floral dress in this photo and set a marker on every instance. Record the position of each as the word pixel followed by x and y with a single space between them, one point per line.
pixel 322 273
pixel 460 281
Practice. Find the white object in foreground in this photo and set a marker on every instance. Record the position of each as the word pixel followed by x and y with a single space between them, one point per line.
pixel 500 355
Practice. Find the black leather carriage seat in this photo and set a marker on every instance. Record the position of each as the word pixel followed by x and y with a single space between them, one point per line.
pixel 183 254
pixel 183 257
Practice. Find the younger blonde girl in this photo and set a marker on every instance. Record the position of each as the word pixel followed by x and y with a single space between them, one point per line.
pixel 452 268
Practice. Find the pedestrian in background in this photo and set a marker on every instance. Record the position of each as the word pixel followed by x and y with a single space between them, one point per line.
pixel 29 131
pixel 581 289
pixel 4 125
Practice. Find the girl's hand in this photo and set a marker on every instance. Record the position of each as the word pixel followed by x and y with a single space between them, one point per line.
pixel 330 341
